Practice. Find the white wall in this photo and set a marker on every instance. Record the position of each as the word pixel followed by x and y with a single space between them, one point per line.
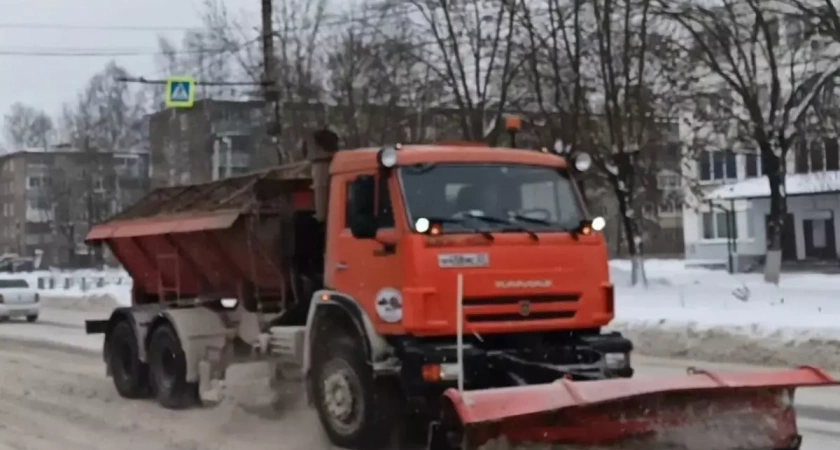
pixel 802 208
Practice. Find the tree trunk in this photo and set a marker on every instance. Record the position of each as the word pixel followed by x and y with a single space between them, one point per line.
pixel 637 272
pixel 776 219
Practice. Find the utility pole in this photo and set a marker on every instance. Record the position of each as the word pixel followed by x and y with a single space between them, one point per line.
pixel 271 94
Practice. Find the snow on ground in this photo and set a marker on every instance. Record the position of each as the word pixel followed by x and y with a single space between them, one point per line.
pixel 684 312
pixel 712 315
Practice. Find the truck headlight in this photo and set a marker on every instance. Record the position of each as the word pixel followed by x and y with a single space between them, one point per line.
pixel 616 360
pixel 389 305
pixel 229 303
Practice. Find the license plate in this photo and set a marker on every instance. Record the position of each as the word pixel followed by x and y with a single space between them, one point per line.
pixel 453 260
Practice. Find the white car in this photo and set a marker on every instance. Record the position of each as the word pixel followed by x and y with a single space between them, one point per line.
pixel 18 299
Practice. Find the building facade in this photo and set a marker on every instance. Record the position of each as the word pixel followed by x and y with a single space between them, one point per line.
pixel 726 192
pixel 51 198
pixel 214 139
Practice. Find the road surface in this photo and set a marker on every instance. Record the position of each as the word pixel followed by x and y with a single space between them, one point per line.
pixel 55 396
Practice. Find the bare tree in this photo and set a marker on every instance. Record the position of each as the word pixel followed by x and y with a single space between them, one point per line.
pixel 472 53
pixel 379 91
pixel 605 80
pixel 816 17
pixel 108 115
pixel 26 126
pixel 771 84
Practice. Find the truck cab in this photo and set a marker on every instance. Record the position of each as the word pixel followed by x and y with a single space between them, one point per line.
pixel 405 221
pixel 418 236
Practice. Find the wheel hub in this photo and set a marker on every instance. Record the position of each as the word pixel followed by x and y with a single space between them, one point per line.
pixel 338 396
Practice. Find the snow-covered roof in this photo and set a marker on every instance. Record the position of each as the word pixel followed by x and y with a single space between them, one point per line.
pixel 796 184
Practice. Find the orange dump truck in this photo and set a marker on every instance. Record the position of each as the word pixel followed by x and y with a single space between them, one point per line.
pixel 465 287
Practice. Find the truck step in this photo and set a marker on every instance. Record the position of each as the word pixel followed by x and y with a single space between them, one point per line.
pixel 286 344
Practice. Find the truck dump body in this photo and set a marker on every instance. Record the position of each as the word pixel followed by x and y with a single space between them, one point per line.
pixel 219 240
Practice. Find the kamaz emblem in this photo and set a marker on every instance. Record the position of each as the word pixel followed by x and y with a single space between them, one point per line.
pixel 525 308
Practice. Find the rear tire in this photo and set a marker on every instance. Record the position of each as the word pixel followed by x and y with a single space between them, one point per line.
pixel 130 375
pixel 32 319
pixel 356 411
pixel 168 367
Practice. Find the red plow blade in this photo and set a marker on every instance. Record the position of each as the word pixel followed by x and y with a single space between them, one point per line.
pixel 698 411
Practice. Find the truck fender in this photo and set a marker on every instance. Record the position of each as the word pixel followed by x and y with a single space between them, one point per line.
pixel 323 301
pixel 201 331
pixel 139 318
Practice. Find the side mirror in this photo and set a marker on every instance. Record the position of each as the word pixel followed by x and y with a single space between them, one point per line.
pixel 360 207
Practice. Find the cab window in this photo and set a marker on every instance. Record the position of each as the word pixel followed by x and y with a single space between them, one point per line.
pixel 381 205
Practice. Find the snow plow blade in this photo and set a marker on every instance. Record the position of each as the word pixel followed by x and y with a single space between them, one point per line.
pixel 699 411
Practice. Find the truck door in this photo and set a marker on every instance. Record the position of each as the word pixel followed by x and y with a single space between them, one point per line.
pixel 362 266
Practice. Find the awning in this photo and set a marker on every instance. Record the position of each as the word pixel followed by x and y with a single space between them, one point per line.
pixel 795 185
pixel 162 225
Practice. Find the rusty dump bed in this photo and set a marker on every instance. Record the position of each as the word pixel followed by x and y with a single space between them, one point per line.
pixel 215 239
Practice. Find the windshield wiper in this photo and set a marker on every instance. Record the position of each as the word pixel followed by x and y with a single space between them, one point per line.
pixel 523 218
pixel 510 225
pixel 460 221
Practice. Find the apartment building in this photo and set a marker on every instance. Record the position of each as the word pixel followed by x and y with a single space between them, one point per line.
pixel 214 139
pixel 50 198
pixel 727 194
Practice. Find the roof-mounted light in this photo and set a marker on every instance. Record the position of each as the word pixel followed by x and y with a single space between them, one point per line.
pixel 582 161
pixel 387 157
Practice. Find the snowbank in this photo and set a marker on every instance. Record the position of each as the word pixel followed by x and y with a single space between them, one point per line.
pixel 712 315
pixel 79 289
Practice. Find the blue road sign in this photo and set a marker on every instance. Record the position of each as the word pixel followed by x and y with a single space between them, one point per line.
pixel 180 92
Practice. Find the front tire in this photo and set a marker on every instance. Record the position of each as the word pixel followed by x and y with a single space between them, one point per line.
pixel 168 367
pixel 32 318
pixel 356 411
pixel 130 375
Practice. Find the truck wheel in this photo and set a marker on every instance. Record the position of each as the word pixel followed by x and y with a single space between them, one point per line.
pixel 32 319
pixel 131 376
pixel 355 410
pixel 168 367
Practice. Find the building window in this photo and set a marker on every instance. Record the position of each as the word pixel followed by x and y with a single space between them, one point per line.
pixel 670 207
pixel 718 165
pixel 718 225
pixel 752 165
pixel 667 181
pixel 832 154
pixel 36 182
pixel 817 156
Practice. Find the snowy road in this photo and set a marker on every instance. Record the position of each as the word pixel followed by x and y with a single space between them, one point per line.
pixel 54 395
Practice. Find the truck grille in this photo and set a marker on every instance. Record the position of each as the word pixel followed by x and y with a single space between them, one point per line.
pixel 519 308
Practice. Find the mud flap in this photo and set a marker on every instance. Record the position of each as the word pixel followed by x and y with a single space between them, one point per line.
pixel 699 411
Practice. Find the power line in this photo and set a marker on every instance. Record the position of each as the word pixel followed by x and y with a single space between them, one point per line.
pixel 59 26
pixel 107 52
pixel 143 80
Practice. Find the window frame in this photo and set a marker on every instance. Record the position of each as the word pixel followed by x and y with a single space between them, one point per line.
pixel 381 211
pixel 728 156
pixel 716 234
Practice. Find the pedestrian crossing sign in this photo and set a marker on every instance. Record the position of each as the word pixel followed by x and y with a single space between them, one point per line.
pixel 180 92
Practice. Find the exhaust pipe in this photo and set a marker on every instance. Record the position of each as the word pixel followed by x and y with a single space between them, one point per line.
pixel 320 154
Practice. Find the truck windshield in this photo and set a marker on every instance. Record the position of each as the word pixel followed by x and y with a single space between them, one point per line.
pixel 491 197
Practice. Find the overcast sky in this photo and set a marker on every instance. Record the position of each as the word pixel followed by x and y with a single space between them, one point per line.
pixel 28 27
